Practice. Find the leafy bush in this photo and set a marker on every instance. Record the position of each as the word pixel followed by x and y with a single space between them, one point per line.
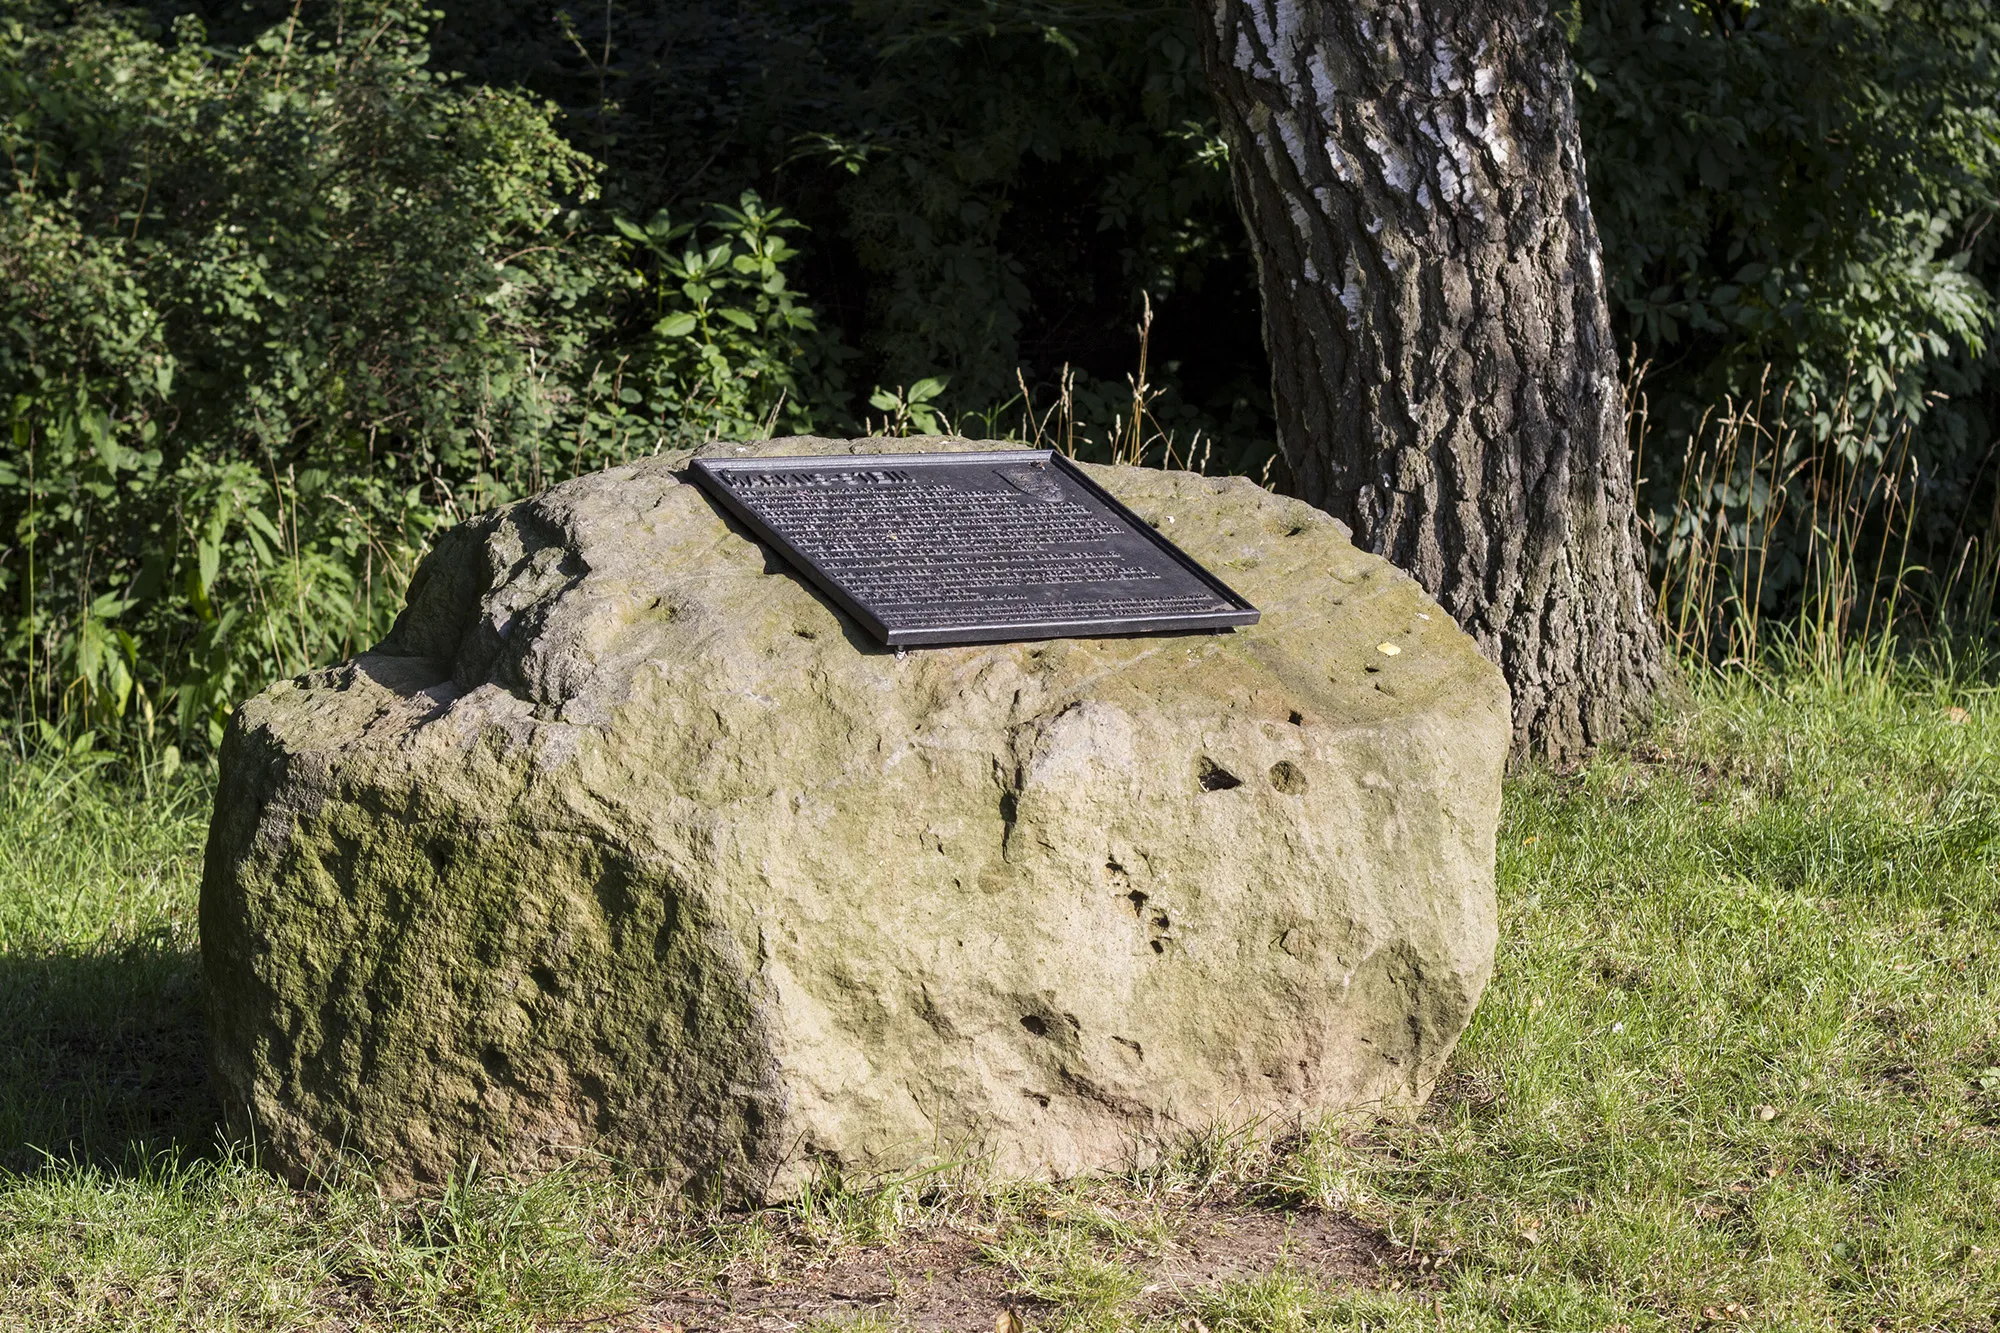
pixel 1794 198
pixel 1797 184
pixel 731 351
pixel 272 313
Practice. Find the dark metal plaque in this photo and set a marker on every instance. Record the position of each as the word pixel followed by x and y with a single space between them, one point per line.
pixel 972 547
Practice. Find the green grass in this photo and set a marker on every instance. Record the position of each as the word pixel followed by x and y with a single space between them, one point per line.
pixel 1737 1055
pixel 1739 1067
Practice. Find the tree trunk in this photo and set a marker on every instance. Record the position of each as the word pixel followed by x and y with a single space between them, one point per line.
pixel 1434 309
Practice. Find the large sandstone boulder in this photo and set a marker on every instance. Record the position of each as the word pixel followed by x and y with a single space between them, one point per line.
pixel 625 840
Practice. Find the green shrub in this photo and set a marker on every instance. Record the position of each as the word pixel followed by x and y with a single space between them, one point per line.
pixel 1794 198
pixel 273 313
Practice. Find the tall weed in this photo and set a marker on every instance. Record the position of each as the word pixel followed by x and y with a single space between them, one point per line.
pixel 1776 540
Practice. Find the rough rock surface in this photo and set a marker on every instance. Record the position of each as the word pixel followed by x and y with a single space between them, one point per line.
pixel 626 841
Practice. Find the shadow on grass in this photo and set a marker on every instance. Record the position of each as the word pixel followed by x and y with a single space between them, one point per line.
pixel 101 1058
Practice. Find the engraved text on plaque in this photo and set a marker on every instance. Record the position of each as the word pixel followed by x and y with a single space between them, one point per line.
pixel 971 547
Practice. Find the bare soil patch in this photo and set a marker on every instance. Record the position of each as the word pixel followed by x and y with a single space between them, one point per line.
pixel 949 1279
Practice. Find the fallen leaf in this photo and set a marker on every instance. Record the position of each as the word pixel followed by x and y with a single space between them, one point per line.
pixel 1387 649
pixel 1007 1322
pixel 1958 717
pixel 1767 1113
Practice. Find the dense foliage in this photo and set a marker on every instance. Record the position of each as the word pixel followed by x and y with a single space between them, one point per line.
pixel 1794 198
pixel 275 311
pixel 285 287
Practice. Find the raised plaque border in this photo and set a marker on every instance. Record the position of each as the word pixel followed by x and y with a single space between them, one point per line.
pixel 708 473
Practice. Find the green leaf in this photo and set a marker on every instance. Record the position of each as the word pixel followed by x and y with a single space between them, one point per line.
pixel 256 519
pixel 675 326
pixel 208 559
pixel 99 430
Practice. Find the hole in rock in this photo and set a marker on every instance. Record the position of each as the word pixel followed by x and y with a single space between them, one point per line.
pixel 1159 946
pixel 1038 1099
pixel 1297 719
pixel 1035 1024
pixel 1214 777
pixel 1138 901
pixel 1160 921
pixel 1373 671
pixel 805 634
pixel 1288 777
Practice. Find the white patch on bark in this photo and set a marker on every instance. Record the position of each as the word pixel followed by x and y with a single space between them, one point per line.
pixel 1484 117
pixel 1256 13
pixel 1322 80
pixel 1396 169
pixel 1290 32
pixel 1344 168
pixel 1302 223
pixel 1456 171
pixel 1288 132
pixel 1485 82
pixel 1444 70
pixel 1350 296
pixel 1455 186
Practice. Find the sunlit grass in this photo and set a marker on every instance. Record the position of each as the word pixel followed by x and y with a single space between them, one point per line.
pixel 1730 1065
pixel 1739 1066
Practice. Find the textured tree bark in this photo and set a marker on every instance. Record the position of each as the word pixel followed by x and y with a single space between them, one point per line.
pixel 1434 309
